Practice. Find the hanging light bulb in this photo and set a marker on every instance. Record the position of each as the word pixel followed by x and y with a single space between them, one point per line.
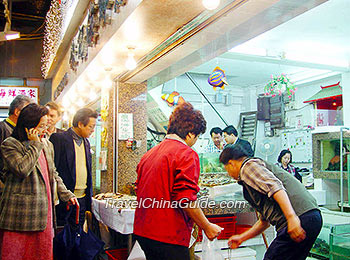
pixel 92 94
pixel 65 116
pixel 72 110
pixel 66 102
pixel 80 102
pixel 72 94
pixel 107 84
pixel 210 4
pixel 131 63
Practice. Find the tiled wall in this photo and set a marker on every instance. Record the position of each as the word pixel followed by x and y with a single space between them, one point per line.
pixel 130 98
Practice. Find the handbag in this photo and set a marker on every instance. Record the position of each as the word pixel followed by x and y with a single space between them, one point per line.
pixel 72 243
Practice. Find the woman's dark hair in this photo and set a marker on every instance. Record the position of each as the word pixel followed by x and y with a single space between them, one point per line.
pixel 283 153
pixel 185 119
pixel 28 118
pixel 233 152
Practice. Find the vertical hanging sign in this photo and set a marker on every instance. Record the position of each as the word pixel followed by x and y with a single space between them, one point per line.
pixel 125 126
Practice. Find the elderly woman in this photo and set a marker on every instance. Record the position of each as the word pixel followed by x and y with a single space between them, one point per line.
pixel 280 199
pixel 284 161
pixel 31 181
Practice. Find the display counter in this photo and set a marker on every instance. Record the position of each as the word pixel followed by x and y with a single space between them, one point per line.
pixel 121 219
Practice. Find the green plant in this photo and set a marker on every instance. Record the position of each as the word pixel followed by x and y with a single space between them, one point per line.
pixel 278 85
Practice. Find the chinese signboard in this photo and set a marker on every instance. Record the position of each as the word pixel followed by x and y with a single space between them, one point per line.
pixel 125 126
pixel 8 93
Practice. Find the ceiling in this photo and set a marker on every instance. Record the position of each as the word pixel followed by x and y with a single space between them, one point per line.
pixel 311 45
pixel 28 16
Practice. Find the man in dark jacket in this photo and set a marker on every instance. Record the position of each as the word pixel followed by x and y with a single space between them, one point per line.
pixel 73 162
pixel 230 135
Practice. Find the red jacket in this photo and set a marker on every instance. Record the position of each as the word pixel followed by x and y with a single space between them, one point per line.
pixel 166 174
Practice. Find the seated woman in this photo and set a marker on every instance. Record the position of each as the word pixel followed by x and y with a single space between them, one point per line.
pixel 31 182
pixel 284 161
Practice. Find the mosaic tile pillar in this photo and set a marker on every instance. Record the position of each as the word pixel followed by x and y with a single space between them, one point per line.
pixel 107 176
pixel 128 98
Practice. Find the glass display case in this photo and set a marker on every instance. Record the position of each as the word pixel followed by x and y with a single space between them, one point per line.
pixel 210 163
pixel 326 154
pixel 333 242
pixel 214 180
pixel 340 246
pixel 321 245
pixel 330 154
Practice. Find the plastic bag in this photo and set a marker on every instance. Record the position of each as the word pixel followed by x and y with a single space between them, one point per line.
pixel 211 249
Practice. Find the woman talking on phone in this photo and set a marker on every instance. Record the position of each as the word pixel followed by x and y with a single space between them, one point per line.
pixel 27 204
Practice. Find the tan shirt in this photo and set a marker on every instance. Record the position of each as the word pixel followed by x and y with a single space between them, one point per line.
pixel 81 171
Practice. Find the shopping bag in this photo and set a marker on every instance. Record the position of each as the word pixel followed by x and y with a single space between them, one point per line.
pixel 72 243
pixel 211 249
pixel 137 253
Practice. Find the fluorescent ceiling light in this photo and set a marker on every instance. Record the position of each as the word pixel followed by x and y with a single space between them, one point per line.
pixel 211 4
pixel 12 35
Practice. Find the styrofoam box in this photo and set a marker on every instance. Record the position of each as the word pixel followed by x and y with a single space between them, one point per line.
pixel 224 189
pixel 319 195
pixel 242 253
pixel 238 254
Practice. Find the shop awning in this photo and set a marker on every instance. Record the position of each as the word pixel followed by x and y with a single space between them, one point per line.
pixel 326 92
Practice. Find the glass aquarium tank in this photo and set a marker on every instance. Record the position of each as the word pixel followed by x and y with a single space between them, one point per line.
pixel 340 242
pixel 333 242
pixel 213 179
pixel 210 163
pixel 330 151
pixel 321 245
pixel 326 154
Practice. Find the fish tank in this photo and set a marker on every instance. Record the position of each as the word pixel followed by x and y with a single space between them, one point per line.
pixel 213 178
pixel 210 163
pixel 330 150
pixel 326 155
pixel 321 245
pixel 333 242
pixel 340 242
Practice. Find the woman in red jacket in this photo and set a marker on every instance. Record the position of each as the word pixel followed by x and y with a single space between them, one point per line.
pixel 167 186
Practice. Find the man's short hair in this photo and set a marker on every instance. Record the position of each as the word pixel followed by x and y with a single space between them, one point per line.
pixel 233 152
pixel 185 119
pixel 53 105
pixel 230 130
pixel 215 130
pixel 83 115
pixel 18 102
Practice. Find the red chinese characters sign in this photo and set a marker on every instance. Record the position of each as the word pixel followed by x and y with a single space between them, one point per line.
pixel 8 93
